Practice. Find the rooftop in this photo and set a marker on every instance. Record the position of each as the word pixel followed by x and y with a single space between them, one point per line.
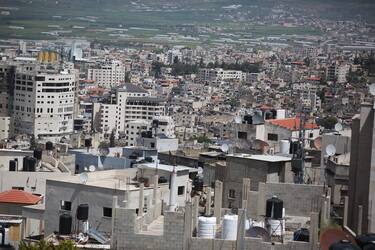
pixel 167 168
pixel 267 158
pixel 128 87
pixel 292 123
pixel 19 197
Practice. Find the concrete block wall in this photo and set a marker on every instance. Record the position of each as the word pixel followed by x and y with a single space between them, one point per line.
pixel 299 200
pixel 125 236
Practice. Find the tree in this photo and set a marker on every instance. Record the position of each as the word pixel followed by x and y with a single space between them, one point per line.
pixel 328 122
pixel 112 142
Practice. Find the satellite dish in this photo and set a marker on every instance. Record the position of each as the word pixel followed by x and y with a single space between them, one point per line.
pixel 330 150
pixel 237 119
pixel 83 177
pixel 372 89
pixel 92 168
pixel 104 151
pixel 224 148
pixel 338 127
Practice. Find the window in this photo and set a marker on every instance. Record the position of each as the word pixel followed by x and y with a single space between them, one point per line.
pixel 18 188
pixel 66 205
pixel 181 190
pixel 273 137
pixel 107 212
pixel 242 135
pixel 232 193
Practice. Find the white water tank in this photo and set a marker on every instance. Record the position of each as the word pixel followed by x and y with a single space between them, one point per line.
pixel 275 227
pixel 229 229
pixel 280 114
pixel 206 227
pixel 284 146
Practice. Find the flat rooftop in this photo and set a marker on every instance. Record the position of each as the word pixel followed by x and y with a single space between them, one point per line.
pixel 267 158
pixel 167 168
pixel 111 179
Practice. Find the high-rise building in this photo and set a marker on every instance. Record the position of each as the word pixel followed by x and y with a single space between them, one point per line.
pixel 108 74
pixel 43 101
pixel 362 172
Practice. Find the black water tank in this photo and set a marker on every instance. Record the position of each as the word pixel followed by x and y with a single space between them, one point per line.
pixel 293 147
pixel 83 212
pixel 148 159
pixel 29 164
pixel 301 234
pixel 12 165
pixel 198 184
pixel 162 179
pixel 65 224
pixel 268 116
pixel 343 245
pixel 49 146
pixel 274 208
pixel 365 239
pixel 248 119
pixel 88 143
pixel 38 154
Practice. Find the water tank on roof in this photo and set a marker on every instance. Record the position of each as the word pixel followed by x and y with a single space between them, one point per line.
pixel 38 154
pixel 229 229
pixel 301 234
pixel 248 119
pixel 83 212
pixel 162 179
pixel 206 227
pixel 198 184
pixel 88 143
pixel 284 146
pixel 29 164
pixel 294 146
pixel 49 146
pixel 12 165
pixel 65 224
pixel 274 208
pixel 275 227
pixel 343 245
pixel 280 114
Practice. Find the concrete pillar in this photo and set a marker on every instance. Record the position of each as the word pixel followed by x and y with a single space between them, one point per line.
pixel 141 199
pixel 346 209
pixel 114 227
pixel 241 229
pixel 218 200
pixel 187 225
pixel 155 191
pixel 329 203
pixel 360 216
pixel 208 202
pixel 314 230
pixel 261 206
pixel 173 192
pixel 323 215
pixel 195 212
pixel 245 191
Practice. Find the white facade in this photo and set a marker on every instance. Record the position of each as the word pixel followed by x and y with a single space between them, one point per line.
pixel 5 127
pixel 134 129
pixel 43 102
pixel 165 126
pixel 108 75
pixel 217 75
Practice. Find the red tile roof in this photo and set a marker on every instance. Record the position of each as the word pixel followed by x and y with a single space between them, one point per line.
pixel 293 123
pixel 19 196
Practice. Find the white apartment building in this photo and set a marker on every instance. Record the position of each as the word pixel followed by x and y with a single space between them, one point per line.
pixel 108 74
pixel 218 74
pixel 165 125
pixel 43 101
pixel 134 129
pixel 132 103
